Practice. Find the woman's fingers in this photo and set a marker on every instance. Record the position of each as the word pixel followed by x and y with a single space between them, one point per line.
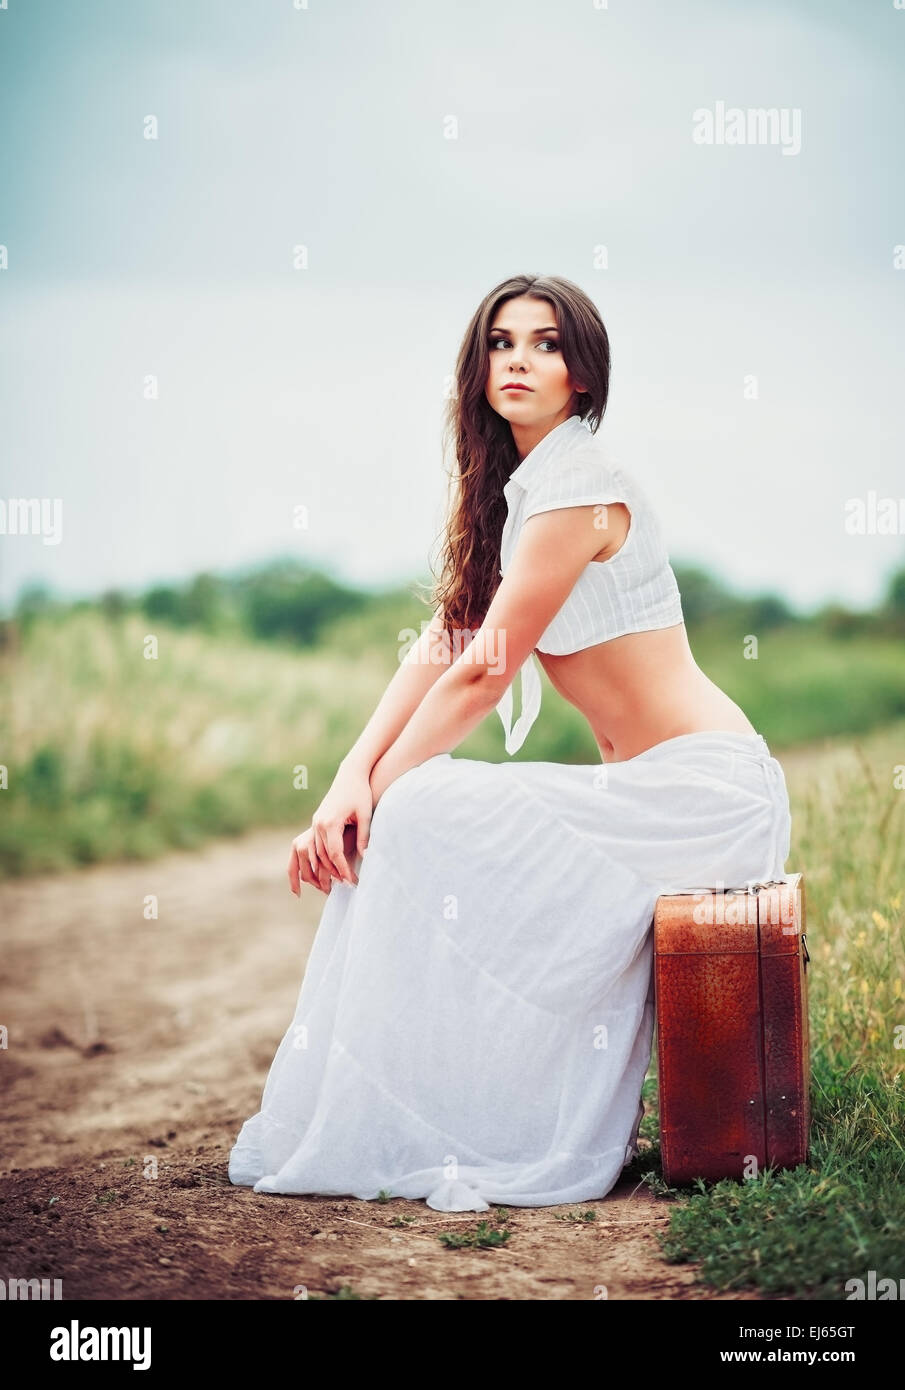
pixel 337 850
pixel 320 877
pixel 331 850
pixel 304 867
pixel 293 870
pixel 363 815
pixel 323 854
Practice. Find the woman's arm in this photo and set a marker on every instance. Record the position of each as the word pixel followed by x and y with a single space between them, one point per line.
pixel 324 851
pixel 553 549
pixel 424 663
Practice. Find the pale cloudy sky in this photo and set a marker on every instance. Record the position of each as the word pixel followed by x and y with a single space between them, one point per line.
pixel 324 126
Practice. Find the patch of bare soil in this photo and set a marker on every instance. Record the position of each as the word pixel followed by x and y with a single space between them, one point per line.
pixel 137 1045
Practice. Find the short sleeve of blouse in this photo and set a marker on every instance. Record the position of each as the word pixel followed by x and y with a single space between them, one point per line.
pixel 574 482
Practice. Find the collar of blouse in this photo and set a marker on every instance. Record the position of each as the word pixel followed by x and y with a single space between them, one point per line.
pixel 562 438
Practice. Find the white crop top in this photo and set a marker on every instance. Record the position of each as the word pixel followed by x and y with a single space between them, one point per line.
pixel 634 591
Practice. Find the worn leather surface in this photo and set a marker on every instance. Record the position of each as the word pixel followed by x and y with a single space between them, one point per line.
pixel 730 976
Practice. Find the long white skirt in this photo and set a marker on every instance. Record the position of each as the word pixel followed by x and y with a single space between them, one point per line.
pixel 475 1021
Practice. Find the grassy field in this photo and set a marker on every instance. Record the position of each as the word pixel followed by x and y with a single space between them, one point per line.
pixel 805 1232
pixel 111 755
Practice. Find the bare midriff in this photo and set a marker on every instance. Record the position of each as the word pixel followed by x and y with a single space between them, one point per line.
pixel 640 689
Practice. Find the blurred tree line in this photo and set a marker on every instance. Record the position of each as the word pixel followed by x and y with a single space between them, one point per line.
pixel 292 602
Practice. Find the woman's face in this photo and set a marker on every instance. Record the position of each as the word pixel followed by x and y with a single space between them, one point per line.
pixel 524 352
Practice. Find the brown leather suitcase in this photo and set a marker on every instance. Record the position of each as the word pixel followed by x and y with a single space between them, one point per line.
pixel 730 973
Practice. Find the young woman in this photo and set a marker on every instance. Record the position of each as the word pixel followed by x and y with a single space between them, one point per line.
pixel 475 1021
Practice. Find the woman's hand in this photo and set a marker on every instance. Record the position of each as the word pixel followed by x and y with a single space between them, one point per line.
pixel 304 865
pixel 339 829
pixel 349 802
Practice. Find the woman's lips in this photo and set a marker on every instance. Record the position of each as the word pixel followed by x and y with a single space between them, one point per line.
pixel 517 388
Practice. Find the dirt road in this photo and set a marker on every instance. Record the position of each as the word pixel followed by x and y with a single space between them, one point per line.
pixel 137 1045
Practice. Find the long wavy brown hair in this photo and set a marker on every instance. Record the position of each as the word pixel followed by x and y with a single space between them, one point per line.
pixel 483 447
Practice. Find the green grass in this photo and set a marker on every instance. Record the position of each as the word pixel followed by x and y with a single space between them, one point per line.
pixel 112 756
pixel 483 1237
pixel 805 1232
